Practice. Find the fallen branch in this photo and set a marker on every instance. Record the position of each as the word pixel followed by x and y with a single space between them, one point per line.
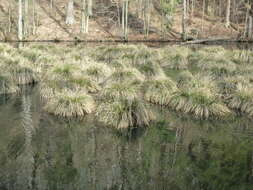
pixel 203 41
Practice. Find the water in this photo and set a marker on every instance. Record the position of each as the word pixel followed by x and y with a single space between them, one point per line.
pixel 39 151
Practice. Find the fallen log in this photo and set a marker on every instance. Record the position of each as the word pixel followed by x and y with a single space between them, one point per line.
pixel 208 40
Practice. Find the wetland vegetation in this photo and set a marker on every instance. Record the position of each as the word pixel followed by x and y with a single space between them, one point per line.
pixel 119 83
pixel 126 117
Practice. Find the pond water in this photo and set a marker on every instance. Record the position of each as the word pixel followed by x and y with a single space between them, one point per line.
pixel 39 151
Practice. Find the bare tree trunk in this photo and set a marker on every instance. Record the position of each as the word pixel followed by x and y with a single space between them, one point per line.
pixel 192 7
pixel 203 14
pixel 26 18
pixel 83 16
pixel 33 18
pixel 20 20
pixel 126 20
pixel 228 13
pixel 70 19
pixel 184 35
pixel 147 14
pixel 51 4
pixel 250 27
pixel 246 23
pixel 90 7
pixel 87 24
pixel 123 17
pixel 9 19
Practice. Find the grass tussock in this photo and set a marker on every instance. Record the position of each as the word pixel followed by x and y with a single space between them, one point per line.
pixel 242 57
pixel 7 86
pixel 175 57
pixel 71 104
pixel 125 74
pixel 125 113
pixel 122 106
pixel 18 69
pixel 160 91
pixel 200 103
pixel 242 99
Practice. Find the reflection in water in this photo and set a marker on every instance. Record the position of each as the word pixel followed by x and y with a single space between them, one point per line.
pixel 38 151
pixel 26 160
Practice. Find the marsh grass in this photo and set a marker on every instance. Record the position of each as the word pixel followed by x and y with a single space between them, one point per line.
pixel 122 106
pixel 117 90
pixel 19 70
pixel 124 114
pixel 112 53
pixel 125 74
pixel 219 67
pixel 126 78
pixel 98 72
pixel 228 85
pixel 30 54
pixel 175 57
pixel 144 55
pixel 198 96
pixel 69 76
pixel 71 104
pixel 242 99
pixel 199 103
pixel 159 91
pixel 184 79
pixel 7 86
pixel 151 70
pixel 242 56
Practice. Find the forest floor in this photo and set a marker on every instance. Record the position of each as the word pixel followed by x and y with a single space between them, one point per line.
pixel 104 25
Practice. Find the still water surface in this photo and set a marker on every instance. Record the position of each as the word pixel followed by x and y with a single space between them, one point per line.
pixel 38 151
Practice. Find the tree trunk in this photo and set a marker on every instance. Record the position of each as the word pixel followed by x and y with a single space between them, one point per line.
pixel 86 13
pixel 51 4
pixel 70 19
pixel 184 35
pixel 26 18
pixel 20 20
pixel 203 14
pixel 228 13
pixel 33 18
pixel 90 7
pixel 9 19
pixel 147 14
pixel 126 20
pixel 245 35
pixel 250 27
pixel 83 15
pixel 123 17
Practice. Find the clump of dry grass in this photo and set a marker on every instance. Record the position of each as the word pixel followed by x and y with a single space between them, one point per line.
pixel 160 91
pixel 175 57
pixel 185 79
pixel 125 114
pixel 98 72
pixel 112 53
pixel 70 76
pixel 18 69
pixel 125 90
pixel 122 106
pixel 242 99
pixel 125 74
pixel 201 103
pixel 7 86
pixel 71 104
pixel 242 56
pixel 151 70
pixel 200 98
